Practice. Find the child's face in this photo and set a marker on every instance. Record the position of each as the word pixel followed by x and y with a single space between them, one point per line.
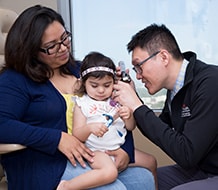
pixel 99 88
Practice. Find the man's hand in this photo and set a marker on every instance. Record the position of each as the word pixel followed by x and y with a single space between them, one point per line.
pixel 126 95
pixel 121 158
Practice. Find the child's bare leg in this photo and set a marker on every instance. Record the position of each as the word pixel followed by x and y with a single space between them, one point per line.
pixel 147 161
pixel 103 172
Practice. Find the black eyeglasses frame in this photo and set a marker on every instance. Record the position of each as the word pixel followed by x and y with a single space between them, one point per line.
pixel 46 50
pixel 137 67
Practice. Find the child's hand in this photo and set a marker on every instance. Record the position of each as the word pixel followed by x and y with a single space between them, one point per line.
pixel 98 129
pixel 124 112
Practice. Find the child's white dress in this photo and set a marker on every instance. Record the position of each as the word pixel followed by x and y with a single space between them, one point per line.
pixel 94 110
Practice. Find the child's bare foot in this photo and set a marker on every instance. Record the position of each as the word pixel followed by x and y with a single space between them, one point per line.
pixel 61 185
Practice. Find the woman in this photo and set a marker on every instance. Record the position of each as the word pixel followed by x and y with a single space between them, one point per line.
pixel 39 69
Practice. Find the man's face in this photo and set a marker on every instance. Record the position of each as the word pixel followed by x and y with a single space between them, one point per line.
pixel 152 72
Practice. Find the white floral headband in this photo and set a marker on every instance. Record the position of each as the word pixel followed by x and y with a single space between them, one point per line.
pixel 92 69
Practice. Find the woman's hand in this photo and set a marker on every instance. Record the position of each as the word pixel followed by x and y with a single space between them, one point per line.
pixel 121 158
pixel 74 149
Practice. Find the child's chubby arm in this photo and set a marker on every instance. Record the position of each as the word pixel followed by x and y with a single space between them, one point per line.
pixel 126 115
pixel 82 130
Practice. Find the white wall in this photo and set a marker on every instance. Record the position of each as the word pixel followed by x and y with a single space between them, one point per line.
pixel 19 5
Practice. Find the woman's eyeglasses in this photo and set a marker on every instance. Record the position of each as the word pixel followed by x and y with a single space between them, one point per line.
pixel 54 48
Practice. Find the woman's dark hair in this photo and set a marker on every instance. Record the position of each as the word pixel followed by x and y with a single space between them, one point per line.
pixel 24 40
pixel 95 59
